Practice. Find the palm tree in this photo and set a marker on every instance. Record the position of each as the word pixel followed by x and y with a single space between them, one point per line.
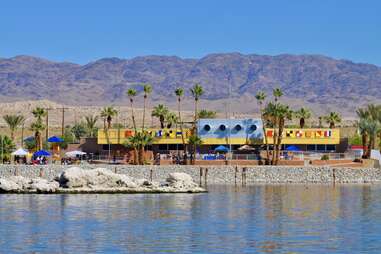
pixel 194 141
pixel 277 93
pixel 160 111
pixel 261 96
pixel 38 126
pixel 131 93
pixel 197 91
pixel 303 114
pixel 147 88
pixel 133 142
pixel 14 121
pixel 138 142
pixel 90 123
pixel 107 114
pixel 180 93
pixel 203 113
pixel 332 119
pixel 6 148
pixel 171 119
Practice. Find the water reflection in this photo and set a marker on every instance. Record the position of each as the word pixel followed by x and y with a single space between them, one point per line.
pixel 264 218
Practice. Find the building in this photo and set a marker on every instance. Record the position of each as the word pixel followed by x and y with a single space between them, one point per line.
pixel 228 132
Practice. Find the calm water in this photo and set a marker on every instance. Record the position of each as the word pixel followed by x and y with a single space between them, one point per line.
pixel 268 219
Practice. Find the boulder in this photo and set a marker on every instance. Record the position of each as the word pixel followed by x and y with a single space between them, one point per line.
pixel 7 185
pixel 73 177
pixel 181 180
pixel 43 186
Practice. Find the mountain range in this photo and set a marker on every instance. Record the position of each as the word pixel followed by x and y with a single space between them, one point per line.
pixel 319 82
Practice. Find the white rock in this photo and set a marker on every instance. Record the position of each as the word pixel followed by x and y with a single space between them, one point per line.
pixel 181 180
pixel 7 185
pixel 43 185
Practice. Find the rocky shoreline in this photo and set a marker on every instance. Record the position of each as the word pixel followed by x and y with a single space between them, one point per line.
pixel 217 174
pixel 99 180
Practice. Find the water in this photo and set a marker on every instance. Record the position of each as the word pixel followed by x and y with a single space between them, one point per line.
pixel 260 219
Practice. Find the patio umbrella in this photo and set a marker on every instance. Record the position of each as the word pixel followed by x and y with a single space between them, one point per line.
pixel 55 139
pixel 221 149
pixel 292 148
pixel 246 148
pixel 41 153
pixel 74 153
pixel 20 152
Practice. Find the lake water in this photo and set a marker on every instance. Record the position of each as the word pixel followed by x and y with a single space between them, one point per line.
pixel 260 219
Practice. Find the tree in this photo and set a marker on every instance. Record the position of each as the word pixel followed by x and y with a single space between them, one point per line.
pixel 171 119
pixel 197 91
pixel 78 130
pixel 332 119
pixel 179 92
pixel 147 88
pixel 107 114
pixel 303 114
pixel 37 127
pixel 160 111
pixel 194 141
pixel 90 125
pixel 260 97
pixel 277 93
pixel 131 93
pixel 7 146
pixel 13 122
pixel 138 142
pixel 203 113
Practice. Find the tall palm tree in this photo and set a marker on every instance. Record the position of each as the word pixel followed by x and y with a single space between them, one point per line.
pixel 160 111
pixel 197 91
pixel 332 119
pixel 131 93
pixel 277 93
pixel 171 119
pixel 107 114
pixel 303 114
pixel 13 122
pixel 147 88
pixel 38 125
pixel 138 143
pixel 179 92
pixel 91 122
pixel 194 141
pixel 261 97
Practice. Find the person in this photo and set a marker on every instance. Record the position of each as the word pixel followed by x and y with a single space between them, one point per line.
pixel 157 159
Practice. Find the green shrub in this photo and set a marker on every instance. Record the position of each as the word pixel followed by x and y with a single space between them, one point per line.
pixel 325 157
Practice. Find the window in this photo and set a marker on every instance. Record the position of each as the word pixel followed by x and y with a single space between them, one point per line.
pixel 331 148
pixel 311 147
pixel 320 147
pixel 163 147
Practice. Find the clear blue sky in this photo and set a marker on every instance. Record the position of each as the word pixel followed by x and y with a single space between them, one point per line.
pixel 81 31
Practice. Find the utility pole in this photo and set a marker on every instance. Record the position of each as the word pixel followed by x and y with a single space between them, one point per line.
pixel 63 121
pixel 47 123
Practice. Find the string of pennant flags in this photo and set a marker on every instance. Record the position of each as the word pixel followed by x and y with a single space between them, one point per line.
pixel 302 133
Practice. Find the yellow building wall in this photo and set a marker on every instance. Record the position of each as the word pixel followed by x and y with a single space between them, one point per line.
pixel 318 136
pixel 290 137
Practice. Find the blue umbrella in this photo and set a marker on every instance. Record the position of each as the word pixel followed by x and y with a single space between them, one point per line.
pixel 221 149
pixel 55 139
pixel 41 153
pixel 292 148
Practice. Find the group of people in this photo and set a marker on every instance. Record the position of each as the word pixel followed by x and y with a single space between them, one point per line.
pixel 40 160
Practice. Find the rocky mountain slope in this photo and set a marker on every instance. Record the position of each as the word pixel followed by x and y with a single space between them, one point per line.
pixel 319 82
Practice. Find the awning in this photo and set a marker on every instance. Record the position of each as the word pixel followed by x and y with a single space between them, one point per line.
pixel 20 152
pixel 246 148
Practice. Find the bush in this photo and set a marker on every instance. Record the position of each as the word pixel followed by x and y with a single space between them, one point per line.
pixel 325 157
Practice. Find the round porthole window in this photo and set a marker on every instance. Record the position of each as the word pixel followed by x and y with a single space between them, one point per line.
pixel 207 127
pixel 222 127
pixel 238 127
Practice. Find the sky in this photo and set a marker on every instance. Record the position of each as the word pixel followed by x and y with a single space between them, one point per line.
pixel 81 31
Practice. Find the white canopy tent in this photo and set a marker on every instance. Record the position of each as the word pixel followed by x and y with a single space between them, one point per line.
pixel 74 153
pixel 20 152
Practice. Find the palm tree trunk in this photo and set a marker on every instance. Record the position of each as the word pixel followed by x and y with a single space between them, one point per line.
pixel 161 118
pixel 364 145
pixel 264 133
pixel 12 135
pixel 133 115
pixel 279 141
pixel 144 111
pixel 301 123
pixel 185 160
